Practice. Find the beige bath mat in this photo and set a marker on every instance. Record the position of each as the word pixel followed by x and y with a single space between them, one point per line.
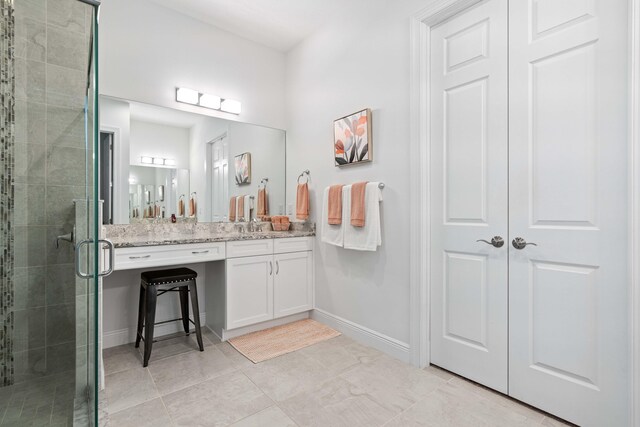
pixel 273 342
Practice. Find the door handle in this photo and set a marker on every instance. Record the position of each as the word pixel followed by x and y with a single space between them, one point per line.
pixel 140 257
pixel 111 249
pixel 520 243
pixel 107 272
pixel 277 267
pixel 496 241
pixel 200 252
pixel 270 268
pixel 79 273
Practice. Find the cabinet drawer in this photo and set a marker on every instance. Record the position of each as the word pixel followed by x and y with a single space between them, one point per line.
pixel 167 255
pixel 293 244
pixel 242 248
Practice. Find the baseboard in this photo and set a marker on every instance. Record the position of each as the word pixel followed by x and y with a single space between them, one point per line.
pixel 364 335
pixel 128 335
pixel 227 335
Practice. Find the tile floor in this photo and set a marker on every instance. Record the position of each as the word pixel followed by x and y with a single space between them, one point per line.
pixel 334 383
pixel 47 401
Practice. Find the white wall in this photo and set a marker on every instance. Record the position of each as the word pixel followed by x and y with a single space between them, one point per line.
pixel 359 60
pixel 157 140
pixel 147 50
pixel 115 117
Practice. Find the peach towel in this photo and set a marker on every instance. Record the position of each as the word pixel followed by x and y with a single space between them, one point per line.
pixel 263 203
pixel 232 208
pixel 192 206
pixel 358 206
pixel 302 201
pixel 181 208
pixel 335 205
pixel 240 208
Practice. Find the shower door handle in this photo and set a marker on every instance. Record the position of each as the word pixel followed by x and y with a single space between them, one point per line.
pixel 79 246
pixel 111 255
pixel 107 272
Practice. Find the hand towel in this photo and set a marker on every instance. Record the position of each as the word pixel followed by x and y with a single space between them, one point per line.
pixel 369 237
pixel 302 201
pixel 248 206
pixel 240 208
pixel 192 206
pixel 232 209
pixel 181 207
pixel 334 210
pixel 333 234
pixel 263 203
pixel 358 207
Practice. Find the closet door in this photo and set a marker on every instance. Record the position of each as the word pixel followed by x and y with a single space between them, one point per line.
pixel 568 336
pixel 469 194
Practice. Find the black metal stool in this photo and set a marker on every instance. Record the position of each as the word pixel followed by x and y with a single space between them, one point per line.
pixel 156 283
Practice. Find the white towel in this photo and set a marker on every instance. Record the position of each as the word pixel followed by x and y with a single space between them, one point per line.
pixel 332 234
pixel 369 237
pixel 248 206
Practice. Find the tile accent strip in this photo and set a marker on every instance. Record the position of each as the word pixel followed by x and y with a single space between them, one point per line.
pixel 7 200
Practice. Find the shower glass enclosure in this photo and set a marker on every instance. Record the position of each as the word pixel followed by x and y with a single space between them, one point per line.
pixel 49 223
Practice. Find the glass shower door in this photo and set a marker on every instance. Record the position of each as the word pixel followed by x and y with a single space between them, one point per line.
pixel 89 249
pixel 49 228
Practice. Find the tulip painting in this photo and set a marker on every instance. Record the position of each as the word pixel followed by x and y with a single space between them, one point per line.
pixel 352 138
pixel 243 168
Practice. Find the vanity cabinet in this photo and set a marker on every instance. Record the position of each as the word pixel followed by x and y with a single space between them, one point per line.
pixel 292 283
pixel 249 290
pixel 276 280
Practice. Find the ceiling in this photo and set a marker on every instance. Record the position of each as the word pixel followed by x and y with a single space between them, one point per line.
pixel 278 24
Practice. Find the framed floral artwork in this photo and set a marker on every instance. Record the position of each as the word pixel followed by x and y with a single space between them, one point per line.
pixel 243 168
pixel 352 138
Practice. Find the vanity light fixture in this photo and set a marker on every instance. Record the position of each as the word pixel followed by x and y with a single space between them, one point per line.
pixel 209 101
pixel 231 106
pixel 158 161
pixel 213 102
pixel 188 96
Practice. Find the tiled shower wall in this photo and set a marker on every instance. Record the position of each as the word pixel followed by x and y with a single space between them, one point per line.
pixel 50 76
pixel 7 111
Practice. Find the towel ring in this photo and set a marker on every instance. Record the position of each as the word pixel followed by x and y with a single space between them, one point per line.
pixel 303 174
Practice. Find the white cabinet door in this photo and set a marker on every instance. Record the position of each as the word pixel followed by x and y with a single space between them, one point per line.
pixel 469 194
pixel 249 290
pixel 568 312
pixel 293 283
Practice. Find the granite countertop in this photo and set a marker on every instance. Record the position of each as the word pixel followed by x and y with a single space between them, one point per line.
pixel 138 235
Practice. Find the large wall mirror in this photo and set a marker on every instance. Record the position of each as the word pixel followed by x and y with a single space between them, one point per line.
pixel 159 162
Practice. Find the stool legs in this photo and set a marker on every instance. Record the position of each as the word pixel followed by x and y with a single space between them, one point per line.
pixel 184 307
pixel 193 290
pixel 140 316
pixel 150 320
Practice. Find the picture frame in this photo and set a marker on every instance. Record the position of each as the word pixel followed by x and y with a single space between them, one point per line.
pixel 352 139
pixel 243 168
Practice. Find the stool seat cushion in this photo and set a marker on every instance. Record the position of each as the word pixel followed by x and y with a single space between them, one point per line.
pixel 171 275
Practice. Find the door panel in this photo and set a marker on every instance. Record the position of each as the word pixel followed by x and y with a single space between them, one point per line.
pixel 292 290
pixel 567 193
pixel 220 180
pixel 469 181
pixel 249 276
